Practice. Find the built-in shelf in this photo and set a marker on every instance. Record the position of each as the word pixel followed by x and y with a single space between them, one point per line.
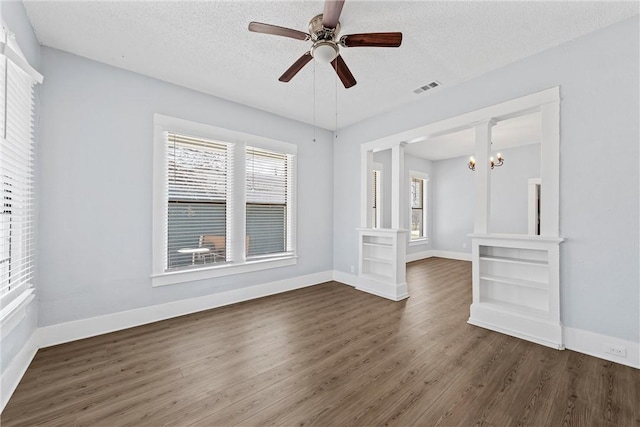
pixel 381 267
pixel 516 309
pixel 377 245
pixel 516 287
pixel 515 281
pixel 513 260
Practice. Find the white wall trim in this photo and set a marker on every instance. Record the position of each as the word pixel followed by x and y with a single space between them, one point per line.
pixel 593 344
pixel 394 292
pixel 15 311
pixel 461 256
pixel 345 278
pixel 85 328
pixel 14 372
pixel 415 256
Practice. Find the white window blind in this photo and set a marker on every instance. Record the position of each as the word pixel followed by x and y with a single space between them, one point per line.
pixel 16 177
pixel 268 202
pixel 197 173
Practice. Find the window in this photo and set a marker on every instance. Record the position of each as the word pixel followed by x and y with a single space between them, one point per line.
pixel 418 207
pixel 197 198
pixel 224 202
pixel 376 196
pixel 268 202
pixel 16 179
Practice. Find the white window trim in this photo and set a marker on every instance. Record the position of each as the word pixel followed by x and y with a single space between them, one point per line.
pixel 240 140
pixel 16 301
pixel 424 240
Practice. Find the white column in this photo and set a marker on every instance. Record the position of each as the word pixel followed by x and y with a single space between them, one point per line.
pixel 550 170
pixel 397 187
pixel 366 164
pixel 483 177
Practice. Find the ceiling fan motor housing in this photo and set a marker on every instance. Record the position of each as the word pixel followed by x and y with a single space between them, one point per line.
pixel 319 32
pixel 324 49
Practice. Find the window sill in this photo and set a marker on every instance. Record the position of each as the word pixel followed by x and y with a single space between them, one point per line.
pixel 419 242
pixel 191 275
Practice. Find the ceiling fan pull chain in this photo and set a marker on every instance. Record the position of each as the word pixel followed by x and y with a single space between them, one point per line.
pixel 335 132
pixel 314 101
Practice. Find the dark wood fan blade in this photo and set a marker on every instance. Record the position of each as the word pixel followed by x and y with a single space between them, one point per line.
pixel 343 72
pixel 331 14
pixel 259 27
pixel 297 66
pixel 372 40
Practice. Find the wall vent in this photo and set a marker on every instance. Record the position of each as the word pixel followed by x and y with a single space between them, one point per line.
pixel 431 85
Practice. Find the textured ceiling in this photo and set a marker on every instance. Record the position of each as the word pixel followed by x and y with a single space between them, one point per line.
pixel 206 46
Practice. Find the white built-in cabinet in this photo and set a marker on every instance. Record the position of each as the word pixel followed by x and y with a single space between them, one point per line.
pixel 516 286
pixel 382 262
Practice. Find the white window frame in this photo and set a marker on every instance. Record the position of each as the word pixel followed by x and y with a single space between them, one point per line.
pixel 424 239
pixel 239 142
pixel 13 304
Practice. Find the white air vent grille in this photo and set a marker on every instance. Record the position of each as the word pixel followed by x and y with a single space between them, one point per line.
pixel 431 85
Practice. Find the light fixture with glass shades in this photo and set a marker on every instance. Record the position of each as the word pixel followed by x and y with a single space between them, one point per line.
pixel 499 161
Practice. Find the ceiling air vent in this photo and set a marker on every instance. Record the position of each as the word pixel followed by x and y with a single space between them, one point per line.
pixel 426 87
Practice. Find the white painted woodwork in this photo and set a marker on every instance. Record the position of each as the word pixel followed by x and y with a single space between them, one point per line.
pixel 533 194
pixel 482 176
pixel 398 186
pixel 550 169
pixel 366 166
pixel 516 286
pixel 382 269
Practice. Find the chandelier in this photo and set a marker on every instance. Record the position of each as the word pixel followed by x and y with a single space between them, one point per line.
pixel 499 161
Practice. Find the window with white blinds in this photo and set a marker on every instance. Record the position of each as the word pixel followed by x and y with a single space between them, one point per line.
pixel 197 172
pixel 418 208
pixel 267 207
pixel 17 238
pixel 223 202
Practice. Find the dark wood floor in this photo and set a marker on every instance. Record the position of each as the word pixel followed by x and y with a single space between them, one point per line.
pixel 326 355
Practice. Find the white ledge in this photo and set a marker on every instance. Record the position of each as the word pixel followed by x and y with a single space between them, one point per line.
pixel 521 237
pixel 191 275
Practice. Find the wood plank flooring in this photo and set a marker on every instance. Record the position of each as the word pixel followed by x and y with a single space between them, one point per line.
pixel 327 355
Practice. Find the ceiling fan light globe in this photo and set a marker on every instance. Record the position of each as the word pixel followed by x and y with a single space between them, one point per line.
pixel 324 52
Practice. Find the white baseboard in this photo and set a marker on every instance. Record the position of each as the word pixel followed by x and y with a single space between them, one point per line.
pixel 13 373
pixel 461 256
pixel 540 331
pixel 85 328
pixel 593 344
pixel 346 278
pixel 419 255
pixel 394 292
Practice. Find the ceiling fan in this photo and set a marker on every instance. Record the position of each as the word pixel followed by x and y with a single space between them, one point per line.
pixel 323 32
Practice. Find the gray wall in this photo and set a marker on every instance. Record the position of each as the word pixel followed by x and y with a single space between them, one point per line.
pixel 453 204
pixel 96 188
pixel 14 15
pixel 599 206
pixel 509 189
pixel 453 197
